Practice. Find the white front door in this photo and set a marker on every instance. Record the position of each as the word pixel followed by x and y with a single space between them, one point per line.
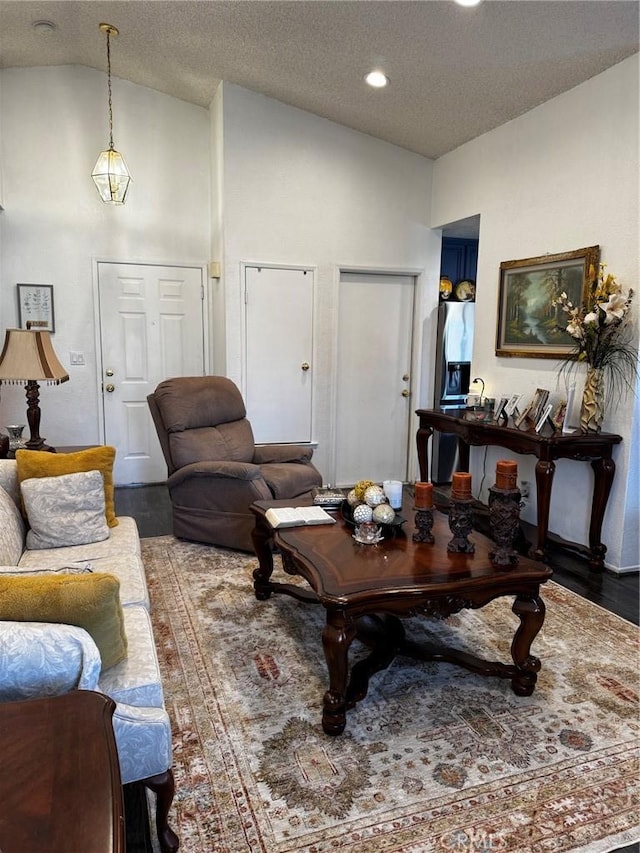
pixel 151 328
pixel 373 403
pixel 279 353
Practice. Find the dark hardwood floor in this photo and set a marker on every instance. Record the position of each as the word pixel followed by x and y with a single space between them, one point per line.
pixel 151 508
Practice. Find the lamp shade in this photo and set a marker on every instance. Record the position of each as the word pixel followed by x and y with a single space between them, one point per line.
pixel 111 176
pixel 29 356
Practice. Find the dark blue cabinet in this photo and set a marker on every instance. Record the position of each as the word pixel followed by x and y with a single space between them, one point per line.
pixel 459 259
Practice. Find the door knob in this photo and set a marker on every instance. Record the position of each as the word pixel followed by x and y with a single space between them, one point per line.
pixel 109 371
pixel 110 388
pixel 406 393
pixel 305 365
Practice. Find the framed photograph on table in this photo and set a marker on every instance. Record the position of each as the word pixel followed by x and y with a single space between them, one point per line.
pixel 559 414
pixel 35 307
pixel 534 409
pixel 529 324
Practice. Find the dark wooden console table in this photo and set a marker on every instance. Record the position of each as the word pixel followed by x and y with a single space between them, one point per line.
pixel 595 448
pixel 60 785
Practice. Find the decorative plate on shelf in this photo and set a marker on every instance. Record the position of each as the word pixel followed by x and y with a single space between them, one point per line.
pixel 466 290
pixel 446 287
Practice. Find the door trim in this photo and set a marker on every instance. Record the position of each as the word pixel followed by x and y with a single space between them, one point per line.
pixel 419 281
pixel 205 283
pixel 312 268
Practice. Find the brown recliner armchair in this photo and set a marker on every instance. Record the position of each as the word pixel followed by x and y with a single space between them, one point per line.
pixel 215 470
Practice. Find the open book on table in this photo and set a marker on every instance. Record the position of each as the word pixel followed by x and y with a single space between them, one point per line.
pixel 298 516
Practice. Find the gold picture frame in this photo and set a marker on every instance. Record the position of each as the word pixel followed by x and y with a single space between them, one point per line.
pixel 529 325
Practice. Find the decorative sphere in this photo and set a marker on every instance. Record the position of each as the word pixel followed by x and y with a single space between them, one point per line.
pixel 361 487
pixel 352 498
pixel 374 496
pixel 383 514
pixel 362 513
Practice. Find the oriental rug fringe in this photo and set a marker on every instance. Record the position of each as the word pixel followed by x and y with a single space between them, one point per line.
pixel 434 759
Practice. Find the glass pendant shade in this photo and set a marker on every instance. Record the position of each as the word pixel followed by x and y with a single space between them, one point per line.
pixel 111 176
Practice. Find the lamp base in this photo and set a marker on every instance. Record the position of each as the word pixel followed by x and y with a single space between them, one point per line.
pixel 40 446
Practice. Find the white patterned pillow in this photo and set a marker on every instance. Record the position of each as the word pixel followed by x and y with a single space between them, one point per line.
pixel 65 510
pixel 11 530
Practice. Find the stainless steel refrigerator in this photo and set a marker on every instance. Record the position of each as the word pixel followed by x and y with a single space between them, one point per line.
pixel 454 347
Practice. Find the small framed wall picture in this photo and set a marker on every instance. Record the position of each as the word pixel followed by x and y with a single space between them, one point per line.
pixel 35 307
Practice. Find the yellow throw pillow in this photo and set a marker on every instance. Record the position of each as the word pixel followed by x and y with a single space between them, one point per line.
pixel 90 601
pixel 42 463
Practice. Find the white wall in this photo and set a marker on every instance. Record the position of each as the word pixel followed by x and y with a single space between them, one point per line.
pixel 54 124
pixel 560 177
pixel 299 189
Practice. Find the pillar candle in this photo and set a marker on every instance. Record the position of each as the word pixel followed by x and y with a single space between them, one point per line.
pixel 461 486
pixel 506 474
pixel 424 496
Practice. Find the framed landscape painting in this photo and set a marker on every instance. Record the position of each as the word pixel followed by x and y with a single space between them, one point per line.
pixel 529 325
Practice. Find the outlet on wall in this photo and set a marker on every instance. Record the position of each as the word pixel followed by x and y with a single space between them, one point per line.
pixel 525 491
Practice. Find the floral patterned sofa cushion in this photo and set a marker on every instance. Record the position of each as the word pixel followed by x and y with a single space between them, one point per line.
pixel 118 554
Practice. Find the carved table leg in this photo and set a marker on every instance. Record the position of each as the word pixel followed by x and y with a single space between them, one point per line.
pixel 384 635
pixel 163 786
pixel 544 480
pixel 531 612
pixel 337 636
pixel 422 440
pixel 604 471
pixel 261 536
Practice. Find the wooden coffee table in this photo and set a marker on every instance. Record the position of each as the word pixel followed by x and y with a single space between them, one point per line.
pixel 367 589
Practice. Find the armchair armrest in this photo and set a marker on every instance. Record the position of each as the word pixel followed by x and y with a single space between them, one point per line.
pixel 231 470
pixel 266 453
pixel 45 659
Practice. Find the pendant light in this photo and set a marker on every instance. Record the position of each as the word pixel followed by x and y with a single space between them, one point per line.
pixel 110 173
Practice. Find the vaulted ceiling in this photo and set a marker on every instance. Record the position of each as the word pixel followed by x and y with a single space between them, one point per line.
pixel 454 72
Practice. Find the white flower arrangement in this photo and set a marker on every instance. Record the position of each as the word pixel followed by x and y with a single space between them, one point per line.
pixel 601 328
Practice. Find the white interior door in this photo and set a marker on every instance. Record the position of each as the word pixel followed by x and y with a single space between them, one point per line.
pixel 279 351
pixel 373 412
pixel 151 328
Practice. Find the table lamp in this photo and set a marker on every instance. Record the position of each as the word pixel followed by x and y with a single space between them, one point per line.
pixel 26 359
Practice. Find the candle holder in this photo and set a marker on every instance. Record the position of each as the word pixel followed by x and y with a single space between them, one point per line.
pixel 424 525
pixel 461 525
pixel 504 521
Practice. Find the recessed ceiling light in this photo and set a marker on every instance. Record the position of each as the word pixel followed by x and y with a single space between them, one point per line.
pixel 468 2
pixel 44 27
pixel 377 79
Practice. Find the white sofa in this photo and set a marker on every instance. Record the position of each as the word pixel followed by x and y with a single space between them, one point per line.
pixel 38 658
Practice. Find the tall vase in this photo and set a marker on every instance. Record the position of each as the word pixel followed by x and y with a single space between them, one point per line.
pixel 592 410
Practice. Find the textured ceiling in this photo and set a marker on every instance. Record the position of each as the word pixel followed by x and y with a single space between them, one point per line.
pixel 455 72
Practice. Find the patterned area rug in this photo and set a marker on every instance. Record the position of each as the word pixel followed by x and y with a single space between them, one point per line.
pixel 434 759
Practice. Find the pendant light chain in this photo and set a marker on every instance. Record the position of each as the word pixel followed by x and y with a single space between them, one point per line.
pixel 109 86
